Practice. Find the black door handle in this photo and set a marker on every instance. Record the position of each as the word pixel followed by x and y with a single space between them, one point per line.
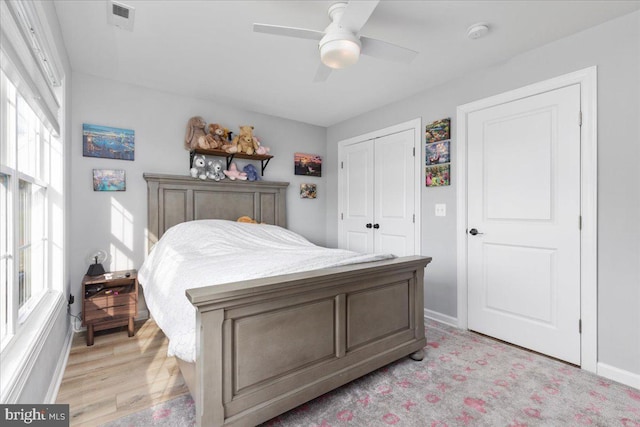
pixel 368 225
pixel 474 232
pixel 376 226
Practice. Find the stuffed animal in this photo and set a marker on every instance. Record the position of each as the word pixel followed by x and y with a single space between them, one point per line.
pixel 244 142
pixel 216 136
pixel 203 142
pixel 233 173
pixel 195 130
pixel 199 167
pixel 214 170
pixel 247 219
pixel 261 148
pixel 252 173
pixel 227 134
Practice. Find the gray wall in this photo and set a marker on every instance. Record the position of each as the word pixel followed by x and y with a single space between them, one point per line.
pixel 614 47
pixel 116 221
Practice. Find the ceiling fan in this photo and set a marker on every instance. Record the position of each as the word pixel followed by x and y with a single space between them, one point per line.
pixel 340 44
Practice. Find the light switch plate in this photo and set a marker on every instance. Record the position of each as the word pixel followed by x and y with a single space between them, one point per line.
pixel 441 209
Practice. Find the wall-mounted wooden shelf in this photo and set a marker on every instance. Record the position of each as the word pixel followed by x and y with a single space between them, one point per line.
pixel 264 158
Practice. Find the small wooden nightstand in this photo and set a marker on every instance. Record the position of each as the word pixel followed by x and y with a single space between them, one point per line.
pixel 109 300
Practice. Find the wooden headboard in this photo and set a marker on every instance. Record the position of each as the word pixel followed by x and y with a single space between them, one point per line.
pixel 172 199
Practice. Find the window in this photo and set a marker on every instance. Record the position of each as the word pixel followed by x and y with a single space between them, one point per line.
pixel 25 158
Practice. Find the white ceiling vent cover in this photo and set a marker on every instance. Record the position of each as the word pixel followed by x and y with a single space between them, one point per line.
pixel 120 15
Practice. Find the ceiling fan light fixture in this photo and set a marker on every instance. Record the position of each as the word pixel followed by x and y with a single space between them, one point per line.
pixel 339 50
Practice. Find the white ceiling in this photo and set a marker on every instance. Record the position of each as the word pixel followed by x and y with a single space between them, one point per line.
pixel 207 49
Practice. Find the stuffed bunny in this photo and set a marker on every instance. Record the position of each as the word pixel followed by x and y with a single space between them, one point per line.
pixel 195 130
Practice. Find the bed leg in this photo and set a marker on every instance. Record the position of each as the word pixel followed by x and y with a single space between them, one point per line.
pixel 418 355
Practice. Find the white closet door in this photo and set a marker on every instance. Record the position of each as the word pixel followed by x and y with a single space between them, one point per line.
pixel 357 198
pixel 394 188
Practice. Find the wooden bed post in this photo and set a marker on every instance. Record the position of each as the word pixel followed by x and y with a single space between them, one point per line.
pixel 209 369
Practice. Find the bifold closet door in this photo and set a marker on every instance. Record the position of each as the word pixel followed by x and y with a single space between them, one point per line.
pixel 377 189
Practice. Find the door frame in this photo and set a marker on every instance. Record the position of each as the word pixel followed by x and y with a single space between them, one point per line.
pixel 587 78
pixel 416 125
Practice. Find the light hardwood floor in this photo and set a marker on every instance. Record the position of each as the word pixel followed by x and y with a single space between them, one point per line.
pixel 119 375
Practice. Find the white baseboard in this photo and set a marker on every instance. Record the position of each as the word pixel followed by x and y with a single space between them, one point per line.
pixel 52 393
pixel 439 317
pixel 619 375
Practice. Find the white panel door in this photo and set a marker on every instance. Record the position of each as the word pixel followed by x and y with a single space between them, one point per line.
pixel 356 190
pixel 394 227
pixel 524 202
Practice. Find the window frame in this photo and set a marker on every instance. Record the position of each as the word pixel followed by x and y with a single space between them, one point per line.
pixel 39 139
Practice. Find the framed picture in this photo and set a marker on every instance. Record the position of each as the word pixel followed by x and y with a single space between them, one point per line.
pixel 109 180
pixel 438 175
pixel 107 142
pixel 308 191
pixel 307 164
pixel 437 153
pixel 438 131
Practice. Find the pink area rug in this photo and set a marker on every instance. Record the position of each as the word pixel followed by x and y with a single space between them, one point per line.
pixel 464 380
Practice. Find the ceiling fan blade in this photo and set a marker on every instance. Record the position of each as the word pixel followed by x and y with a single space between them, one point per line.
pixel 357 14
pixel 387 51
pixel 322 74
pixel 278 30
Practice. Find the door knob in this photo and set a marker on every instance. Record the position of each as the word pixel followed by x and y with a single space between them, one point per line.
pixel 376 226
pixel 369 225
pixel 474 232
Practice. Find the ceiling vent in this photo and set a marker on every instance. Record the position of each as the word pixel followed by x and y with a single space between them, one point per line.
pixel 120 15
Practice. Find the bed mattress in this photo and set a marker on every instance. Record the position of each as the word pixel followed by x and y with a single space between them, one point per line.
pixel 213 252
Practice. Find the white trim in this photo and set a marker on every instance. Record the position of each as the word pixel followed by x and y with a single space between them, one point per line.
pixel 56 380
pixel 416 125
pixel 587 79
pixel 439 317
pixel 619 375
pixel 21 354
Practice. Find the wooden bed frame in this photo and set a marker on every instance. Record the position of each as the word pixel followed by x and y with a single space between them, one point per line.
pixel 268 345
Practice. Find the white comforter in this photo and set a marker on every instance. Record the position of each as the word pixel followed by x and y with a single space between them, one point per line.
pixel 212 252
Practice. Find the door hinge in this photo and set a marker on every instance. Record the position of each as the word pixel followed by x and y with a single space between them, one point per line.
pixel 341 215
pixel 414 151
pixel 414 218
pixel 579 118
pixel 341 165
pixel 580 222
pixel 579 326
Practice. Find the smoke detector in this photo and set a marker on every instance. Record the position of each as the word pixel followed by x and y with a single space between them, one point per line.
pixel 120 15
pixel 477 30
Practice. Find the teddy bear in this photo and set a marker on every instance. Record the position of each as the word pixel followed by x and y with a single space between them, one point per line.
pixel 216 135
pixel 247 219
pixel 214 170
pixel 233 173
pixel 252 173
pixel 195 130
pixel 199 167
pixel 243 142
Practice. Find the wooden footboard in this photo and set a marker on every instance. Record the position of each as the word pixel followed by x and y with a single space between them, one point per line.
pixel 268 345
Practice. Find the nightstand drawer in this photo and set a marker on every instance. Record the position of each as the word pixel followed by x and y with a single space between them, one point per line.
pixel 104 301
pixel 106 313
